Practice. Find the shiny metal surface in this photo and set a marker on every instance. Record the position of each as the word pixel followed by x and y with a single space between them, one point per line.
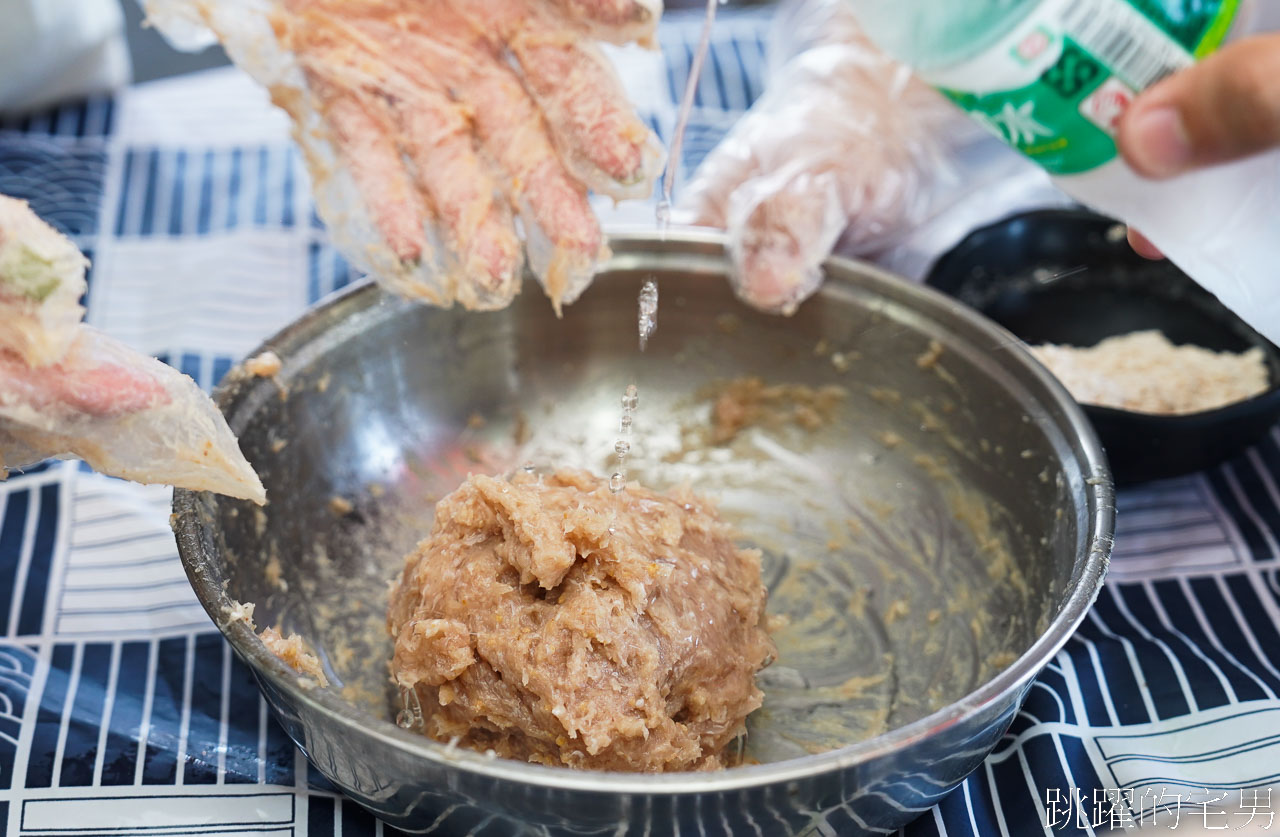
pixel 931 548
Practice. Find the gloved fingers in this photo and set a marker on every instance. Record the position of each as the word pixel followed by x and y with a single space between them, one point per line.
pixel 613 21
pixel 113 389
pixel 843 147
pixel 328 79
pixel 397 73
pixel 782 227
pixel 77 385
pixel 602 142
pixel 398 188
pixel 789 123
pixel 41 283
pixel 562 234
pixel 478 227
pixel 704 201
pixel 125 414
pixel 42 363
pixel 364 135
pixel 561 231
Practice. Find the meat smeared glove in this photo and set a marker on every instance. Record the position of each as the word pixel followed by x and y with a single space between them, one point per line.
pixel 844 150
pixel 67 390
pixel 430 126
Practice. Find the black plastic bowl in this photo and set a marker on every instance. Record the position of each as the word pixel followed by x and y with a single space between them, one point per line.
pixel 1070 277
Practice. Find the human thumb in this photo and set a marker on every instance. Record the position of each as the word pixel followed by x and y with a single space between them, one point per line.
pixel 1223 108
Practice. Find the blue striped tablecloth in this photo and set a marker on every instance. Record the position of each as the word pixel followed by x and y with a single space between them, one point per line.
pixel 117 696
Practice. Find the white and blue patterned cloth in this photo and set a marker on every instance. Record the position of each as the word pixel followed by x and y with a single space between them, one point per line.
pixel 123 711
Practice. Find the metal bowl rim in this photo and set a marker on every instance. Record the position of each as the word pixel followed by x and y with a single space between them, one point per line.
pixel 1088 573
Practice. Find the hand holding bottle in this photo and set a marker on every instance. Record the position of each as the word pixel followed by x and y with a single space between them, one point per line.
pixel 1225 108
pixel 1061 81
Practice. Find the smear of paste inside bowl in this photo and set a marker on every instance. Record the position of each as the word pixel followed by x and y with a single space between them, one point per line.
pixel 885 604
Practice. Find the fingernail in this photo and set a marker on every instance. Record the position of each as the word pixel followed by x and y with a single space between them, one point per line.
pixel 1158 143
pixel 1143 247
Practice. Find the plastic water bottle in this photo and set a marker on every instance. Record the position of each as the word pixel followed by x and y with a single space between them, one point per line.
pixel 1052 77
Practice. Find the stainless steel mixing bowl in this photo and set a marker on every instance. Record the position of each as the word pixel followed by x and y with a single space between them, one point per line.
pixel 931 546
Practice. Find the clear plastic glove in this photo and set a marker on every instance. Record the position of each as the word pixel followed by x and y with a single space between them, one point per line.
pixel 844 148
pixel 41 283
pixel 67 390
pixel 426 124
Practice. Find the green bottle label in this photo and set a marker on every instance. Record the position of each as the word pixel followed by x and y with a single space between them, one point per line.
pixel 1056 86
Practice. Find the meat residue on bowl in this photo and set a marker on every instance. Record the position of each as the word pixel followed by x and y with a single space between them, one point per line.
pixel 1146 373
pixel 294 651
pixel 747 402
pixel 880 611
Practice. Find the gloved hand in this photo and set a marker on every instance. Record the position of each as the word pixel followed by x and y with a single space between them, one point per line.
pixel 1222 109
pixel 427 123
pixel 67 390
pixel 844 148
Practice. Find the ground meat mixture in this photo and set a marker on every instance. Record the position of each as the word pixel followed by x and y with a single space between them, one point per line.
pixel 294 651
pixel 550 620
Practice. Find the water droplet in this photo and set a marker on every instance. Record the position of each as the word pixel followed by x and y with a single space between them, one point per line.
pixel 662 212
pixel 528 468
pixel 622 446
pixel 647 319
pixel 410 717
